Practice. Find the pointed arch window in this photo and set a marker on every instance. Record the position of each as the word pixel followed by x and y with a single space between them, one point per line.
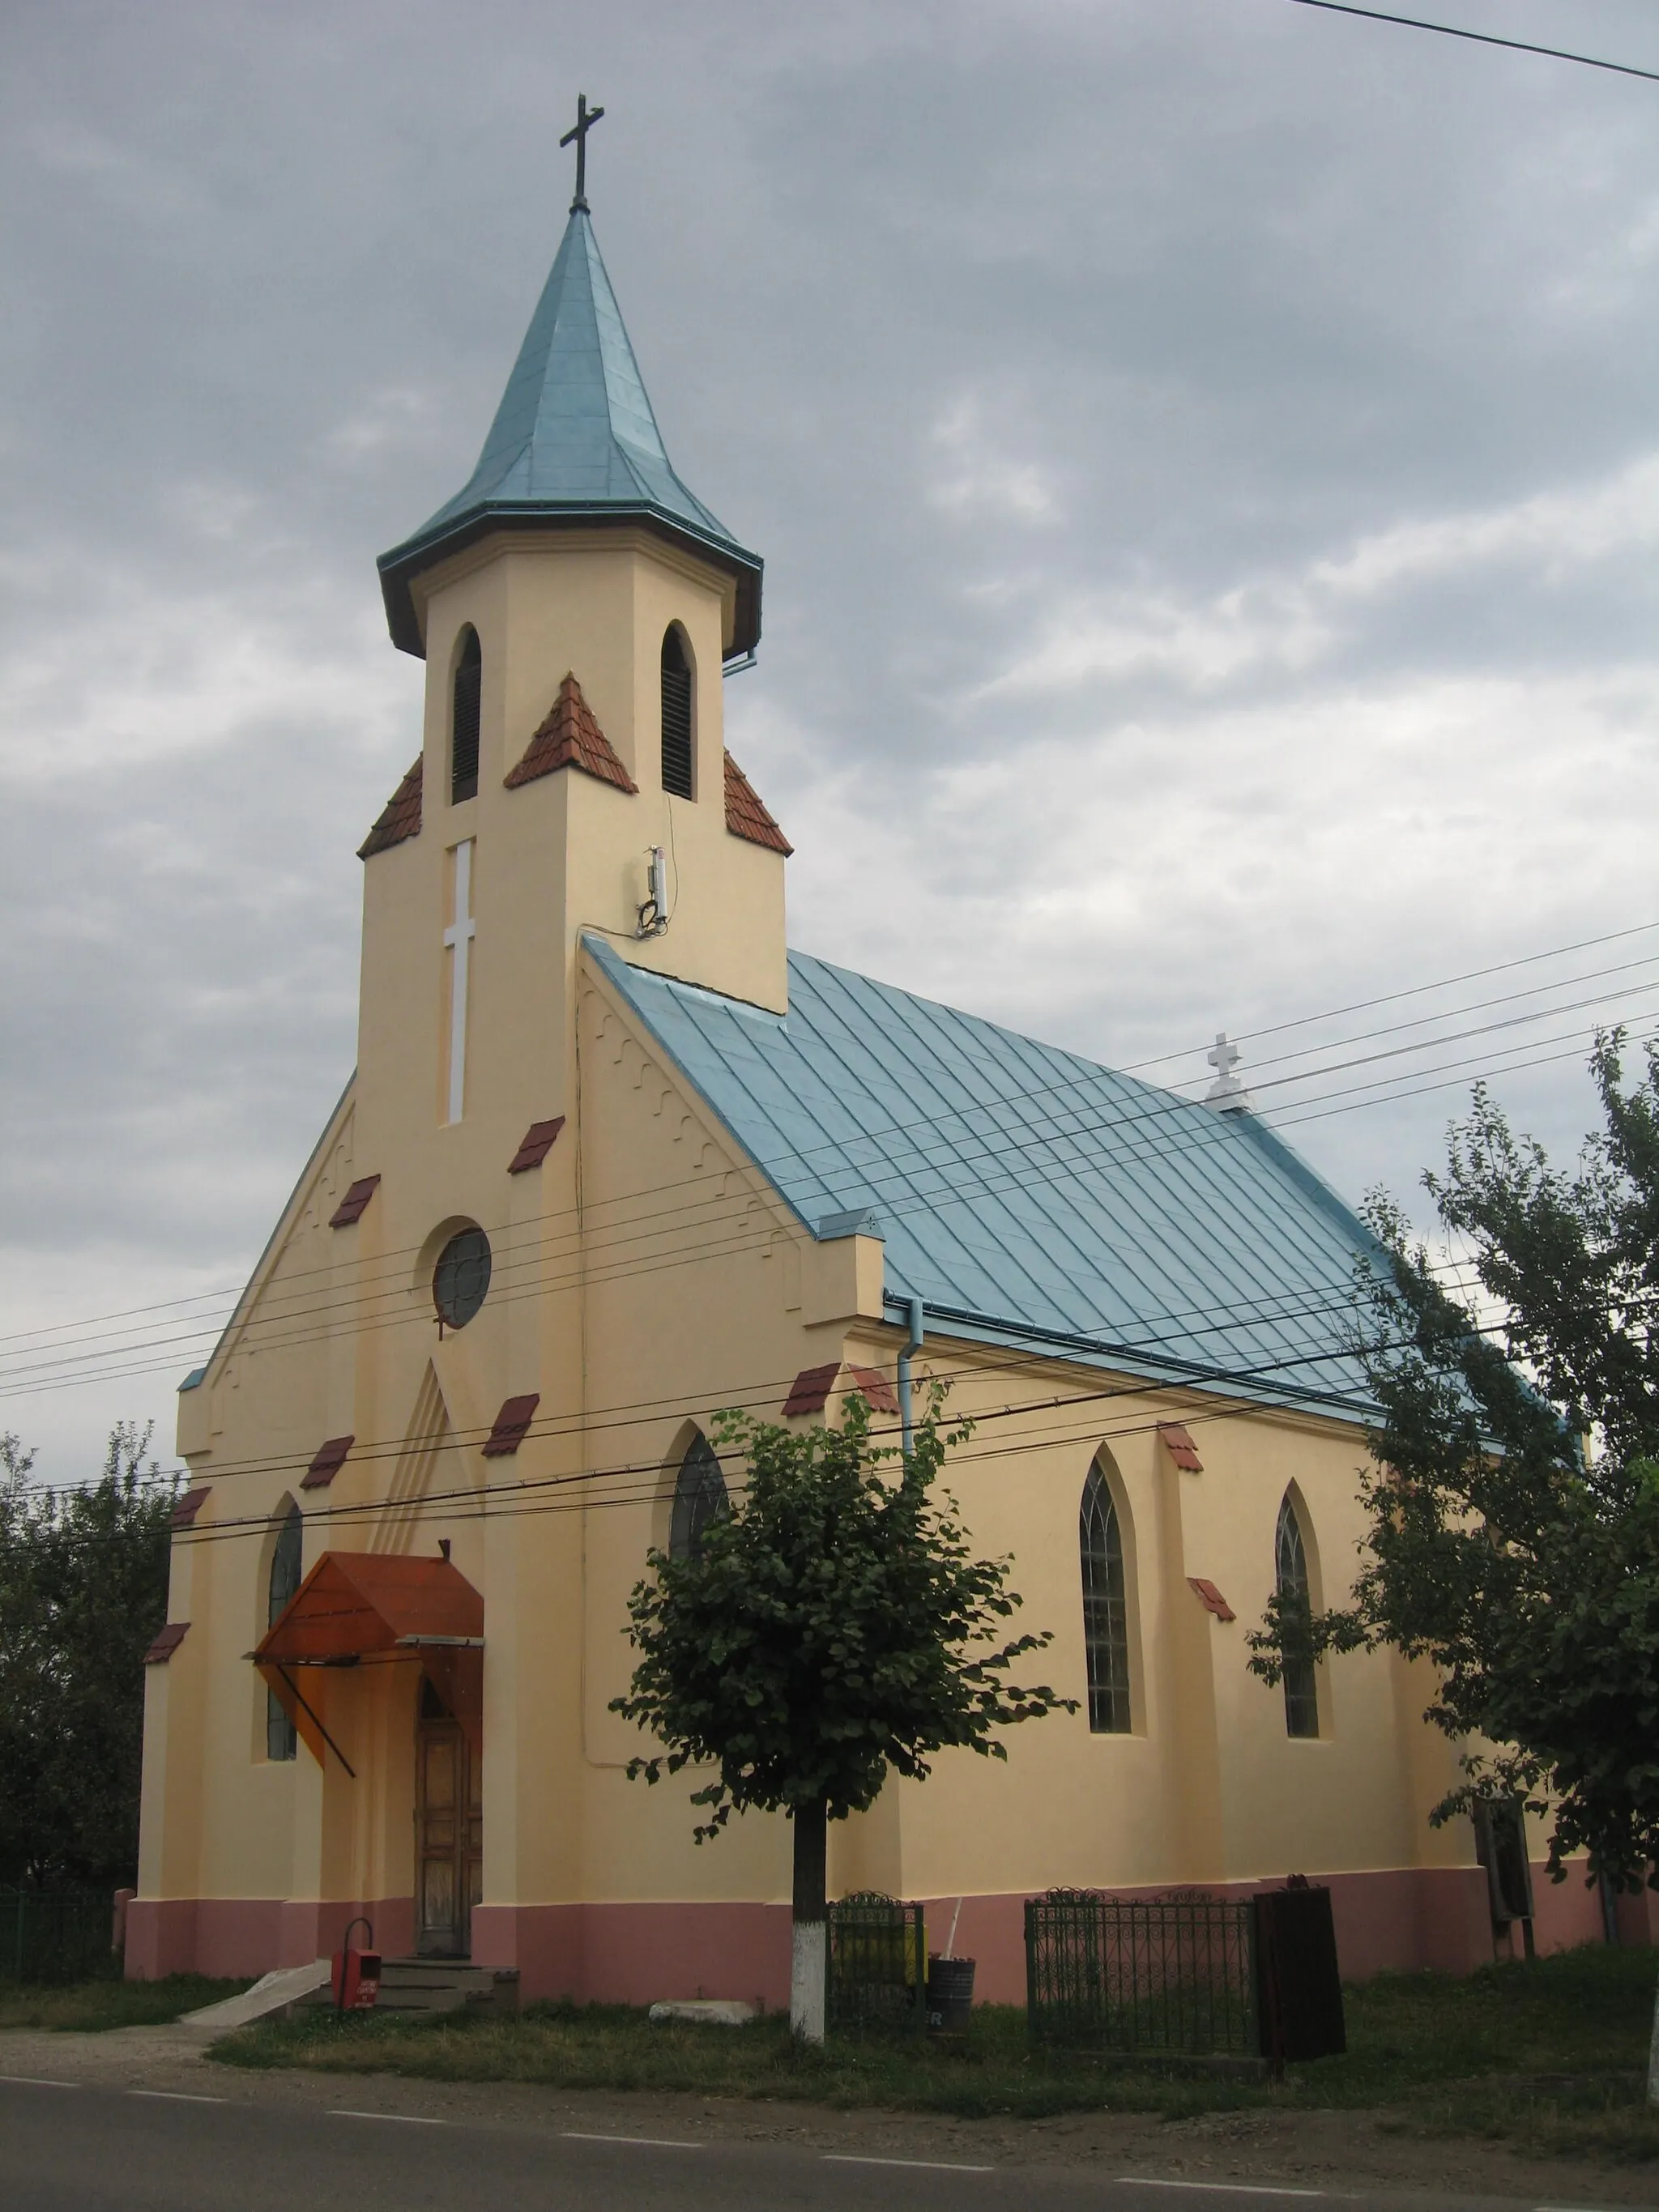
pixel 1296 1605
pixel 677 758
pixel 1105 1608
pixel 281 1740
pixel 699 1497
pixel 464 719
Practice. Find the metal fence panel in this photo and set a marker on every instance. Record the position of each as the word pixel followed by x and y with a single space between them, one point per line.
pixel 56 1935
pixel 1174 1974
pixel 878 1964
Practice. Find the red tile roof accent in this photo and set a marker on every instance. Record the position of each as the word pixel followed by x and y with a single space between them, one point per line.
pixel 1181 1448
pixel 331 1458
pixel 745 816
pixel 398 818
pixel 810 1391
pixel 184 1512
pixel 1211 1598
pixel 535 1145
pixel 512 1426
pixel 351 1207
pixel 877 1391
pixel 570 738
pixel 166 1642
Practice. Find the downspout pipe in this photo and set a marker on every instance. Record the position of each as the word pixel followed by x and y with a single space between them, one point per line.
pixel 904 1358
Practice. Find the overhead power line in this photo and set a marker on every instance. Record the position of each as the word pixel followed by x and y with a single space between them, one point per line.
pixel 1103 1124
pixel 734 1240
pixel 1480 38
pixel 731 1239
pixel 638 1483
pixel 635 1481
pixel 212 1324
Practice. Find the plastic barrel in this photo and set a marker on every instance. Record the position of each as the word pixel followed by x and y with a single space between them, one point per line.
pixel 949 1993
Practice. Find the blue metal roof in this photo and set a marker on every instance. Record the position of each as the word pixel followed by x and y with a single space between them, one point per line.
pixel 574 440
pixel 1027 1195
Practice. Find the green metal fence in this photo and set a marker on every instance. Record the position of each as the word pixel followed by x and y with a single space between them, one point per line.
pixel 1167 1976
pixel 878 1964
pixel 56 1935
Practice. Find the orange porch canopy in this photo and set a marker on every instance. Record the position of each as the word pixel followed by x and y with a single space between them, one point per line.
pixel 358 1606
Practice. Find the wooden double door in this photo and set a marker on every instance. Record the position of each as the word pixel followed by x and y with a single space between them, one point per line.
pixel 448 1832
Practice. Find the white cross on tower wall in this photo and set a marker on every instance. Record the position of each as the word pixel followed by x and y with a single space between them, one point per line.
pixel 1226 1094
pixel 458 938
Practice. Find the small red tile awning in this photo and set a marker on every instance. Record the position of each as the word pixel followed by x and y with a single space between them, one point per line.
pixel 878 1393
pixel 570 738
pixel 1178 1442
pixel 746 815
pixel 399 818
pixel 184 1512
pixel 326 1462
pixel 167 1641
pixel 810 1391
pixel 535 1145
pixel 351 1207
pixel 512 1426
pixel 358 1606
pixel 1211 1598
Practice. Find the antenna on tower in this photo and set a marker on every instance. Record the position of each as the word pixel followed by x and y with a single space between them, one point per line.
pixel 654 910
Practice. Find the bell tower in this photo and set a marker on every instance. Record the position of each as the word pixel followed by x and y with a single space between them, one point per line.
pixel 575 605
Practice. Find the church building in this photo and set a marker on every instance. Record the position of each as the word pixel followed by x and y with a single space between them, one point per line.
pixel 612 1158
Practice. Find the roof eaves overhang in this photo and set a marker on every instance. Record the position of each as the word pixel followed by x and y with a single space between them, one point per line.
pixel 399 568
pixel 1263 1386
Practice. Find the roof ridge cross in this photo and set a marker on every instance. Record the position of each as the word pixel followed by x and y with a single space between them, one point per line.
pixel 586 117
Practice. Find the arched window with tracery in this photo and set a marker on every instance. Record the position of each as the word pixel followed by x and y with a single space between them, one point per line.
pixel 1105 1608
pixel 677 751
pixel 465 703
pixel 281 1740
pixel 699 1497
pixel 1296 1608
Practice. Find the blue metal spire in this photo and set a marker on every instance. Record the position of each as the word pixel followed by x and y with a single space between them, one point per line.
pixel 573 442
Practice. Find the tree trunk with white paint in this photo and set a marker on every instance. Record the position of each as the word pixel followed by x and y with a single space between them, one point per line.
pixel 810 1945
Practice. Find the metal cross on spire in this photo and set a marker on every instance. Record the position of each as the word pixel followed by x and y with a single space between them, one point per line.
pixel 586 117
pixel 1226 1094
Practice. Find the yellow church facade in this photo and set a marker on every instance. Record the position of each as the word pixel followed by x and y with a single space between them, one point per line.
pixel 612 1159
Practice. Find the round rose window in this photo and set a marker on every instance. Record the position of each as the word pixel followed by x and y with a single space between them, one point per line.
pixel 460 1281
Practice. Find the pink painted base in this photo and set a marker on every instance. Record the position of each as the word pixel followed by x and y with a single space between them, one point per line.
pixel 636 1953
pixel 234 1935
pixel 1402 1920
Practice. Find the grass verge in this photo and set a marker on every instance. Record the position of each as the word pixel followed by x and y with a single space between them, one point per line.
pixel 93 2006
pixel 1548 2055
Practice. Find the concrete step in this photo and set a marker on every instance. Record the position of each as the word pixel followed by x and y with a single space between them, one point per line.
pixel 438 1985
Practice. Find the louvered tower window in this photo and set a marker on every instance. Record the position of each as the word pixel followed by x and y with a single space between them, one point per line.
pixel 1296 1608
pixel 699 1497
pixel 1105 1609
pixel 464 721
pixel 676 714
pixel 281 1740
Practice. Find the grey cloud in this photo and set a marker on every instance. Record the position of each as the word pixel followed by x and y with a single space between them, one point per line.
pixel 1204 455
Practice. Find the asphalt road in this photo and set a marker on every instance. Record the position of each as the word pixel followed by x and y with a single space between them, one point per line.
pixel 75 2148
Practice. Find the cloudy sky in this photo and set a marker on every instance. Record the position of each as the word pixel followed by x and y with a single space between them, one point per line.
pixel 1206 454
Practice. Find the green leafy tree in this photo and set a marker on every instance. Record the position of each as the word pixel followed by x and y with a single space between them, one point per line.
pixel 1513 1497
pixel 83 1590
pixel 832 1627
